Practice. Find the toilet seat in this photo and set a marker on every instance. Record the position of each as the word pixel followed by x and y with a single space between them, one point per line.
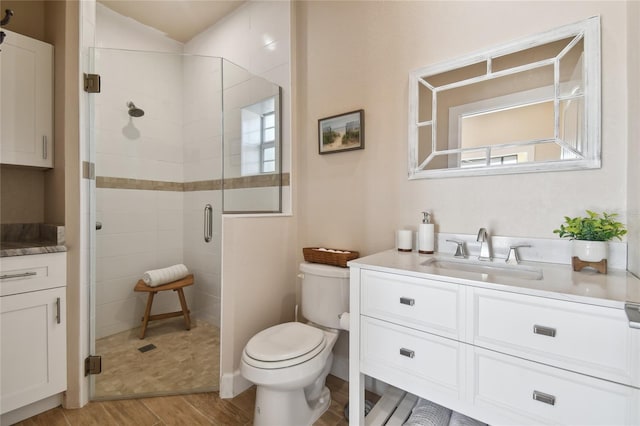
pixel 284 345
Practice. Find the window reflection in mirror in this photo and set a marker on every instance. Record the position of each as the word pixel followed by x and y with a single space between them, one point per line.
pixel 252 166
pixel 258 153
pixel 516 108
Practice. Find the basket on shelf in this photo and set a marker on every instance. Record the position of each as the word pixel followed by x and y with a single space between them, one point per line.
pixel 335 257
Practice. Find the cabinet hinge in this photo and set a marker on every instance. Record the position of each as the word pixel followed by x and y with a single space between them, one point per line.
pixel 633 314
pixel 93 365
pixel 92 83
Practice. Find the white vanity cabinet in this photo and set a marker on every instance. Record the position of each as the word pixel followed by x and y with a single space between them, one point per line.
pixel 33 363
pixel 26 118
pixel 498 354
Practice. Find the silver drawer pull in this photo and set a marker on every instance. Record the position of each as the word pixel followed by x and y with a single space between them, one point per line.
pixel 407 352
pixel 407 301
pixel 21 275
pixel 544 397
pixel 545 331
pixel 633 314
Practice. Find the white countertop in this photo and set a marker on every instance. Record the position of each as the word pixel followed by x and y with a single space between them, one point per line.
pixel 558 281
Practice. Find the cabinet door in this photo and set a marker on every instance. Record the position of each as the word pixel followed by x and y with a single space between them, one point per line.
pixel 33 347
pixel 26 127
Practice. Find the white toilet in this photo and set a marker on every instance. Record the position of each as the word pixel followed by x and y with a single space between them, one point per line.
pixel 289 362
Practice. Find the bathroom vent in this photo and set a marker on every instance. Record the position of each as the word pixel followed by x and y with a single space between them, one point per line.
pixel 92 365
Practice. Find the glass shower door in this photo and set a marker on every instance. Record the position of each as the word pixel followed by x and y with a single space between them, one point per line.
pixel 156 141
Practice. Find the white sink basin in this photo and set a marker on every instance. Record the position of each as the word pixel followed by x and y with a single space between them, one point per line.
pixel 488 269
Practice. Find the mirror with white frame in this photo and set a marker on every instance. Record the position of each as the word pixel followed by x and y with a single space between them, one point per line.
pixel 531 105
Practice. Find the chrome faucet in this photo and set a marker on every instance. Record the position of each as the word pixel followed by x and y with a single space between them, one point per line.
pixel 460 251
pixel 513 257
pixel 485 248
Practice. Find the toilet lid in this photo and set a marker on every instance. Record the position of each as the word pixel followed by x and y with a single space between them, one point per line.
pixel 284 341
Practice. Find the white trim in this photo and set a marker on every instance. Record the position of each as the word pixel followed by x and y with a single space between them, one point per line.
pixel 232 385
pixel 31 410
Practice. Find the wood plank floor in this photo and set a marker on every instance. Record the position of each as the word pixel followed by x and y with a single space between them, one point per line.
pixel 192 409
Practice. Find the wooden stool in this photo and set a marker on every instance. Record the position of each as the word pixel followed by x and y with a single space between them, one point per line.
pixel 175 286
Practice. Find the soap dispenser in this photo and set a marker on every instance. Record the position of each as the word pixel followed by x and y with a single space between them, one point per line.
pixel 426 234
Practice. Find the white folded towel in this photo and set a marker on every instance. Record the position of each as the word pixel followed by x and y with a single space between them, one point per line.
pixel 157 277
pixel 427 413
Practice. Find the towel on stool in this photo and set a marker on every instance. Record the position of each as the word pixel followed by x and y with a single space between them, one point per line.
pixel 458 419
pixel 427 413
pixel 157 277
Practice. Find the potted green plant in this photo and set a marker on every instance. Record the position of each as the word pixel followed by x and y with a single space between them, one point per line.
pixel 591 234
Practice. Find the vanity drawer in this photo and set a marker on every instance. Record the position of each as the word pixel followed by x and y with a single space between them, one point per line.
pixel 516 391
pixel 21 274
pixel 588 339
pixel 427 305
pixel 418 362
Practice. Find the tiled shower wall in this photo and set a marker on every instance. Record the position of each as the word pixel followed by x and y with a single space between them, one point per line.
pixel 240 38
pixel 150 217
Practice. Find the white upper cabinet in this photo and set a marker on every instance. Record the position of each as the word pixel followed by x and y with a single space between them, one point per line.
pixel 26 90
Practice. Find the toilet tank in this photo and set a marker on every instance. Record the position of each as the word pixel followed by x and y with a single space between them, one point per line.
pixel 324 293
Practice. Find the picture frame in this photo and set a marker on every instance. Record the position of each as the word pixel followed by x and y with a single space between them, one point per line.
pixel 342 132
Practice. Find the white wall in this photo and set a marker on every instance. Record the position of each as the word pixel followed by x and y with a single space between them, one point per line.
pixel 377 44
pixel 119 32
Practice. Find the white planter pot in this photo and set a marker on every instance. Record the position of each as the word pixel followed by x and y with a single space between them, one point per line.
pixel 590 251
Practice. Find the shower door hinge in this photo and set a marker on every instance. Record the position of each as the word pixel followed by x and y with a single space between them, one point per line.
pixel 92 83
pixel 93 365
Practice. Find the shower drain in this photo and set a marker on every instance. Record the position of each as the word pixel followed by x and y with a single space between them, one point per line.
pixel 147 348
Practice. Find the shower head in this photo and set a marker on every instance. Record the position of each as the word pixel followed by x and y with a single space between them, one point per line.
pixel 133 111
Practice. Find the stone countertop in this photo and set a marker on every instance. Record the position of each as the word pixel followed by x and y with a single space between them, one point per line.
pixel 8 249
pixel 20 239
pixel 558 281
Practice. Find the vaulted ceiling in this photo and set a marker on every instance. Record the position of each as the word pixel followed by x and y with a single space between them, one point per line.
pixel 181 20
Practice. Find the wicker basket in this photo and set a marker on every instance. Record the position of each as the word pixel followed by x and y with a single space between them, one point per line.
pixel 312 254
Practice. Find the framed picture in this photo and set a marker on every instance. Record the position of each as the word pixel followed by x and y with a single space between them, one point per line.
pixel 343 132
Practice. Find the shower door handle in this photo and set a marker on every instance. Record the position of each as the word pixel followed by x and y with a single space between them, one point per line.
pixel 208 223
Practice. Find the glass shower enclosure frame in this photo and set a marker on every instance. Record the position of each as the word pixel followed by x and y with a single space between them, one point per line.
pixel 164 131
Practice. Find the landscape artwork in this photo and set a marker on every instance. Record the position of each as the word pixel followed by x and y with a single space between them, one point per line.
pixel 343 132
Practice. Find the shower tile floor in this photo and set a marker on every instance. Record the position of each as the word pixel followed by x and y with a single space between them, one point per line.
pixel 182 360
